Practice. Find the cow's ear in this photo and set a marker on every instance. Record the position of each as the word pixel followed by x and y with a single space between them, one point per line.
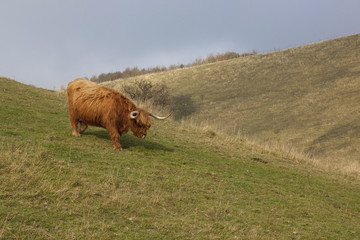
pixel 134 114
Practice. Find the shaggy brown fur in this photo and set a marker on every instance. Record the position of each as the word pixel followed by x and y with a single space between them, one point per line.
pixel 92 104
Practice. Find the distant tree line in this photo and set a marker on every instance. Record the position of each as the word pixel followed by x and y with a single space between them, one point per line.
pixel 133 72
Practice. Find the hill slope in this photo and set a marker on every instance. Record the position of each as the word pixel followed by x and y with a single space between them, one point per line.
pixel 179 183
pixel 306 97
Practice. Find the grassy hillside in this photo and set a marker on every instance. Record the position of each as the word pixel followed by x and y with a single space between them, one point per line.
pixel 306 98
pixel 179 183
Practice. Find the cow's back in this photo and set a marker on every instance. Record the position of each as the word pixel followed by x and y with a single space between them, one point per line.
pixel 90 102
pixel 81 86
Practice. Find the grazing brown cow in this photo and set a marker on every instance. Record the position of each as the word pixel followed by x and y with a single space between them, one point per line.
pixel 92 104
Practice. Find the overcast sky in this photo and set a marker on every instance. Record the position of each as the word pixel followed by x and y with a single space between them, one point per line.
pixel 48 43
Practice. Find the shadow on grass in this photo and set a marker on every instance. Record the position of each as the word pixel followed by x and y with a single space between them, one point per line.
pixel 183 106
pixel 128 140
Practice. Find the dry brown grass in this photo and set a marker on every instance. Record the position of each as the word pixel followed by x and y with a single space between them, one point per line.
pixel 344 166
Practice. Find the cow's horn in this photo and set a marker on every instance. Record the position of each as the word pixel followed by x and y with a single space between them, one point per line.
pixel 134 114
pixel 157 117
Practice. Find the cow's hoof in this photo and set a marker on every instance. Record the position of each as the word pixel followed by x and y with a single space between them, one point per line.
pixel 119 149
pixel 76 134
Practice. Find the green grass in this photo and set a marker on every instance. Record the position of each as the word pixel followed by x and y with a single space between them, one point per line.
pixel 178 183
pixel 305 98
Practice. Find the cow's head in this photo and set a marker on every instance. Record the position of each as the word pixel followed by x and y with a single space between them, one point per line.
pixel 140 122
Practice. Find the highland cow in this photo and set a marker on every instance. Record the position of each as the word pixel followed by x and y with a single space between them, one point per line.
pixel 95 105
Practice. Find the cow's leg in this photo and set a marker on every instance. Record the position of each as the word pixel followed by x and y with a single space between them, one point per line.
pixel 83 126
pixel 115 137
pixel 74 123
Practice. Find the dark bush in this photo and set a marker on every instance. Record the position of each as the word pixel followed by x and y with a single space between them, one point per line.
pixel 144 90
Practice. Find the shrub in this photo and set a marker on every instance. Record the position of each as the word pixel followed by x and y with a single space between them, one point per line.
pixel 144 90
